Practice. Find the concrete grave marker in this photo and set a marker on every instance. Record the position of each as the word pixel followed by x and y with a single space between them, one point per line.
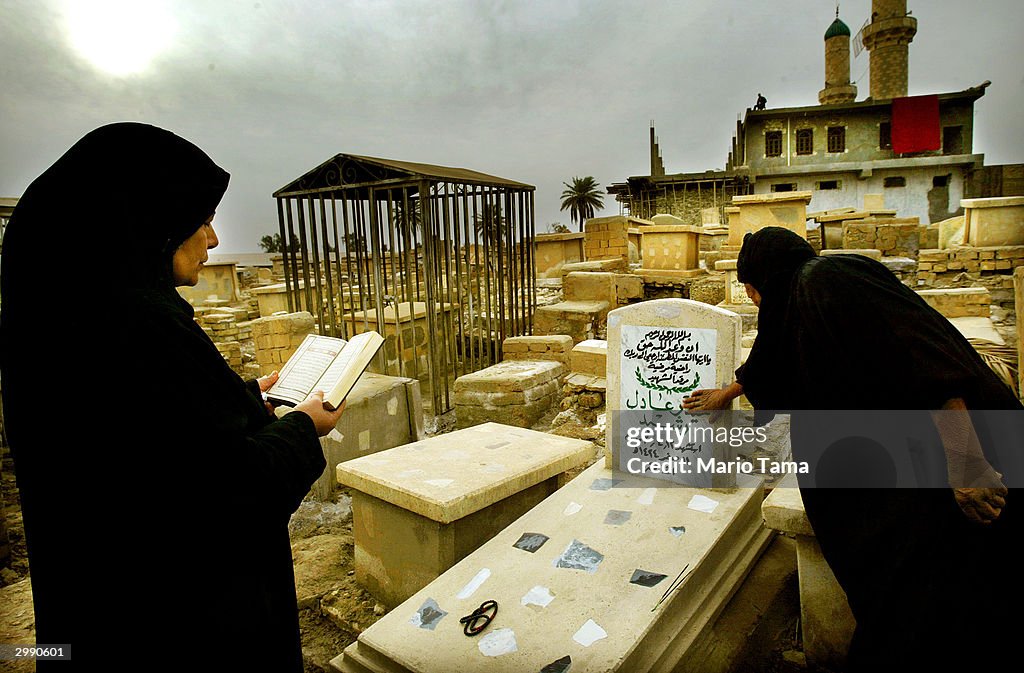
pixel 658 353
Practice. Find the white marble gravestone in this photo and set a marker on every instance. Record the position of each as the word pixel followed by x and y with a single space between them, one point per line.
pixel 658 353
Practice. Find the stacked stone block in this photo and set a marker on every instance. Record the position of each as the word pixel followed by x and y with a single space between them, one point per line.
pixel 606 238
pixel 513 392
pixel 894 239
pixel 959 302
pixel 277 337
pixel 998 259
pixel 550 348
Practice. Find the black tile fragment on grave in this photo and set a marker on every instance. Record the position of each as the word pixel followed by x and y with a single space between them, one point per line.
pixel 531 542
pixel 558 666
pixel 646 578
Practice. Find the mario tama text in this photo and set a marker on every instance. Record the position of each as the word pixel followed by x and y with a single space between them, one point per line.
pixel 698 466
pixel 690 449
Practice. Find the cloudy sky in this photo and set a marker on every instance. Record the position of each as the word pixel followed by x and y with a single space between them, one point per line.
pixel 533 91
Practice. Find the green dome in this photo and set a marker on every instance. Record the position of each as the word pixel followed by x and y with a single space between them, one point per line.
pixel 837 28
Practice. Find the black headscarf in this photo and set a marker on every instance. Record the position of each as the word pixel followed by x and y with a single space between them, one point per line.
pixel 120 201
pixel 769 260
pixel 842 332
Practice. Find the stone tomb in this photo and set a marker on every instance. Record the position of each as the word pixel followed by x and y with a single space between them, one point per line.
pixel 994 221
pixel 736 299
pixel 671 249
pixel 216 279
pixel 826 622
pixel 405 333
pixel 553 251
pixel 514 392
pixel 420 508
pixel 658 352
pixel 381 412
pixel 598 577
pixel 757 211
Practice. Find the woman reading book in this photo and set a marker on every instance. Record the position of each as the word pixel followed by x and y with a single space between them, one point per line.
pixel 156 488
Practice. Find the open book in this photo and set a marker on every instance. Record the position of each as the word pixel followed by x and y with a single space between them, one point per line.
pixel 325 363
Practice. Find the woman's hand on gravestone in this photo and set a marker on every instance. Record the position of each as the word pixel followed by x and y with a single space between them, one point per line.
pixel 323 418
pixel 707 399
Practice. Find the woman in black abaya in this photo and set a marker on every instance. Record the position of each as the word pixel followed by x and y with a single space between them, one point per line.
pixel 928 572
pixel 156 488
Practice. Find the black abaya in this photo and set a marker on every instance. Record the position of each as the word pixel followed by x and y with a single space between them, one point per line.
pixel 156 489
pixel 842 333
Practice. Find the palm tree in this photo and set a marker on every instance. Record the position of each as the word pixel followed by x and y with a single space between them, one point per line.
pixel 581 199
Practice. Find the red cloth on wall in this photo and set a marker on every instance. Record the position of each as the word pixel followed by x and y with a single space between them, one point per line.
pixel 915 124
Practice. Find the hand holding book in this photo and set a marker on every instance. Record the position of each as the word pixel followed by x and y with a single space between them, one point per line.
pixel 327 364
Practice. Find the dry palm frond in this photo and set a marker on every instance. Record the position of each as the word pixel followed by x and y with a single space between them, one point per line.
pixel 1000 359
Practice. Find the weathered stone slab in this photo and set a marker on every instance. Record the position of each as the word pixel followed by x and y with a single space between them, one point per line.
pixel 689 564
pixel 757 211
pixel 514 392
pixel 554 347
pixel 553 251
pixel 670 247
pixel 826 621
pixel 994 221
pixel 420 508
pixel 590 357
pixel 960 301
pixel 617 265
pixel 578 319
pixel 381 412
pixel 863 252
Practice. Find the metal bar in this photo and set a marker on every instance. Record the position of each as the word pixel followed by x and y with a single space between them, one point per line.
pixel 378 283
pixel 362 264
pixel 351 311
pixel 508 235
pixel 399 331
pixel 446 315
pixel 456 244
pixel 470 277
pixel 429 258
pixel 484 201
pixel 497 214
pixel 291 260
pixel 408 227
pixel 307 290
pixel 337 269
pixel 525 281
pixel 532 232
pixel 327 268
pixel 284 247
pixel 315 251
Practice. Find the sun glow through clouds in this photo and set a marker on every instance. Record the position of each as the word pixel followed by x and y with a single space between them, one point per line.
pixel 119 37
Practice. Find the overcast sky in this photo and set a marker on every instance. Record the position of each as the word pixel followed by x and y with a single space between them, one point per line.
pixel 537 92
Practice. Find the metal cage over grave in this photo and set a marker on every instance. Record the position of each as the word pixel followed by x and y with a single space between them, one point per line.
pixel 438 260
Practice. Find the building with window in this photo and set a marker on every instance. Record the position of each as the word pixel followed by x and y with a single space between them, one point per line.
pixel 842 148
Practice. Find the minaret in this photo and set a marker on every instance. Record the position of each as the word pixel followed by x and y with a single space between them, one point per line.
pixel 887 38
pixel 837 65
pixel 657 165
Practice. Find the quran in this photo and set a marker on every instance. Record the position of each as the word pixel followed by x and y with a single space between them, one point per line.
pixel 325 363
